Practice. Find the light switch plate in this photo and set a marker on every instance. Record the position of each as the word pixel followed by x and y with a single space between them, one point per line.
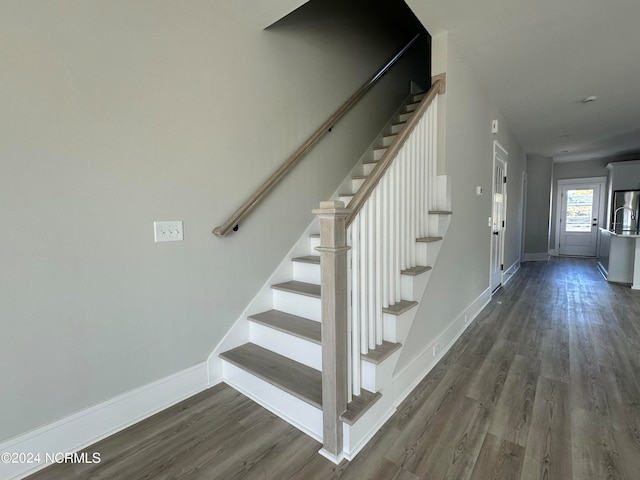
pixel 168 231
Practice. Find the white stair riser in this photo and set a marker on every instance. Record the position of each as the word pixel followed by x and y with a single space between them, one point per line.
pixel 313 243
pixel 427 253
pixel 291 409
pixel 443 195
pixel 403 117
pixel 306 272
pixel 388 140
pixel 376 377
pixel 396 327
pixel 300 305
pixel 356 183
pixel 367 168
pixel 290 346
pixel 357 435
pixel 346 200
pixel 413 285
pixel 411 107
pixel 438 224
pixel 397 128
pixel 378 153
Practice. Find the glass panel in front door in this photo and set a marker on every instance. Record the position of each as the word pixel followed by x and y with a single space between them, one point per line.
pixel 578 216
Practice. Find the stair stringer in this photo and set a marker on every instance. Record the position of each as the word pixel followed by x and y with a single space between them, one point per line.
pixel 396 329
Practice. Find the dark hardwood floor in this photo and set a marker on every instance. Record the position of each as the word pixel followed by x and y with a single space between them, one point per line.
pixel 545 384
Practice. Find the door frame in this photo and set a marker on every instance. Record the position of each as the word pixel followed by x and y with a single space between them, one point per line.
pixel 579 181
pixel 501 239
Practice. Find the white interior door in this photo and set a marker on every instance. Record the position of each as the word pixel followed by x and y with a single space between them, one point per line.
pixel 578 222
pixel 499 214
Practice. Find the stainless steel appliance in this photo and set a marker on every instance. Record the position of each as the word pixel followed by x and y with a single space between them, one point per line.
pixel 625 210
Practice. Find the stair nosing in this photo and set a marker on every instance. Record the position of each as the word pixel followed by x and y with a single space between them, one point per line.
pixel 400 307
pixel 359 405
pixel 311 259
pixel 415 271
pixel 301 288
pixel 428 239
pixel 306 329
pixel 382 352
pixel 266 357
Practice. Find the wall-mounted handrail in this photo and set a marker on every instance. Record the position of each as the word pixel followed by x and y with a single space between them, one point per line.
pixel 363 194
pixel 246 208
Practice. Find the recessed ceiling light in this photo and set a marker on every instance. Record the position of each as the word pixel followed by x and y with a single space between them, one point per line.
pixel 590 99
pixel 564 151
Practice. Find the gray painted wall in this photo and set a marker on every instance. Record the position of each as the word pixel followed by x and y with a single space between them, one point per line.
pixel 539 178
pixel 115 114
pixel 461 273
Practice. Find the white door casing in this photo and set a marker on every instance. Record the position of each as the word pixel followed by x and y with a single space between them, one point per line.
pixel 499 213
pixel 580 212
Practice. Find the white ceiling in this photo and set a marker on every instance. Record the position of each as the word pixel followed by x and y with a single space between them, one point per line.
pixel 538 59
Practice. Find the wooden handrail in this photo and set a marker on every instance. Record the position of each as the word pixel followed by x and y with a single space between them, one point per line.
pixel 363 194
pixel 244 210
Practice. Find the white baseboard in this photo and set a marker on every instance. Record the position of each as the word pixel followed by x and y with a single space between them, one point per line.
pixel 510 272
pixel 411 375
pixel 93 424
pixel 535 257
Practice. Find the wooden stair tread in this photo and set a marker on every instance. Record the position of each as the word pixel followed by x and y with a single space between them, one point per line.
pixel 299 380
pixel 292 324
pixel 400 307
pixel 359 405
pixel 314 235
pixel 381 352
pixel 301 288
pixel 346 194
pixel 315 259
pixel 428 239
pixel 415 271
pixel 440 212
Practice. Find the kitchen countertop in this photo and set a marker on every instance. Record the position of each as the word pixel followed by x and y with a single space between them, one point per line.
pixel 627 233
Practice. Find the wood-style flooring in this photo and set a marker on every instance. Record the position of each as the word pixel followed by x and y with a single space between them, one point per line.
pixel 545 384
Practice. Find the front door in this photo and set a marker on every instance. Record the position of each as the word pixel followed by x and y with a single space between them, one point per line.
pixel 580 205
pixel 499 214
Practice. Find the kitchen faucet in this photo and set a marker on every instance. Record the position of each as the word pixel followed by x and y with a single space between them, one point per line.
pixel 615 215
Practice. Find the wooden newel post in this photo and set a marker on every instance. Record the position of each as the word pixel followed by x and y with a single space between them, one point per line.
pixel 333 263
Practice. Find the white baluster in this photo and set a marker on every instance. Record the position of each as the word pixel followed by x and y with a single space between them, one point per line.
pixel 386 213
pixel 414 201
pixel 364 289
pixel 378 261
pixel 355 305
pixel 392 233
pixel 371 284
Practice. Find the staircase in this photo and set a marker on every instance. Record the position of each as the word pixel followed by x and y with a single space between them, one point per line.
pixel 275 355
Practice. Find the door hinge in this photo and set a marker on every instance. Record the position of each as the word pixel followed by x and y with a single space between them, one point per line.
pixel 504 179
pixel 502 223
pixel 501 266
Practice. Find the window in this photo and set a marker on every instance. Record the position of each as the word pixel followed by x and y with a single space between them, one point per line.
pixel 579 210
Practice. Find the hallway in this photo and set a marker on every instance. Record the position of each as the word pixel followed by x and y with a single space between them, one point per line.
pixel 543 385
